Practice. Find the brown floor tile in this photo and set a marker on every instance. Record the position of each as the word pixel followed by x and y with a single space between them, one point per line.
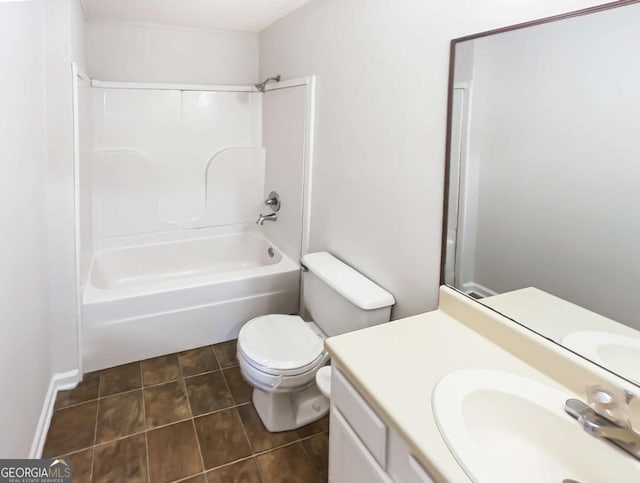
pixel 166 403
pixel 317 449
pixel 160 369
pixel 259 438
pixel 208 392
pixel 120 416
pixel 221 438
pixel 71 429
pixel 226 352
pixel 86 390
pixel 82 462
pixel 173 452
pixel 240 389
pixel 243 472
pixel 317 427
pixel 120 379
pixel 122 460
pixel 197 361
pixel 286 465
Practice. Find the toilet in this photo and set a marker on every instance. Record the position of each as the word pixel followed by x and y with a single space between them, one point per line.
pixel 279 355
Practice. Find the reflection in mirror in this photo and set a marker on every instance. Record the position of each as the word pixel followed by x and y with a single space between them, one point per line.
pixel 543 220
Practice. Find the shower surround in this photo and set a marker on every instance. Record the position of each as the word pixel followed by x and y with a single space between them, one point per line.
pixel 178 176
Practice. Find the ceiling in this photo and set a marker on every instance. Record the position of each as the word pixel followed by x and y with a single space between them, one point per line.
pixel 246 15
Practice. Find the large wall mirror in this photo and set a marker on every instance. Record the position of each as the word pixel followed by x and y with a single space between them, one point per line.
pixel 542 222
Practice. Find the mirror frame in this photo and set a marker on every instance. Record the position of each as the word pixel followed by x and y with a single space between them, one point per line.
pixel 447 166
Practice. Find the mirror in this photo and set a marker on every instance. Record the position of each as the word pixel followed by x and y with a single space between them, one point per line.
pixel 542 222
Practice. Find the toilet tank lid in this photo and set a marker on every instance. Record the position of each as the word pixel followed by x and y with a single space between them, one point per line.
pixel 349 283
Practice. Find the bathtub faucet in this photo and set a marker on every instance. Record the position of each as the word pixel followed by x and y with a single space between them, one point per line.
pixel 269 217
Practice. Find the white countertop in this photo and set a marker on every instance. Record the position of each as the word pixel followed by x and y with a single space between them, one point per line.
pixel 552 316
pixel 397 365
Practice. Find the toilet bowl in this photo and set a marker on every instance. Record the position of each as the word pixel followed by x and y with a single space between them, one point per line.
pixel 280 355
pixel 323 380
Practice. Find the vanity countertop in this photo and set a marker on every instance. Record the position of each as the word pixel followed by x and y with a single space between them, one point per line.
pixel 551 315
pixel 397 365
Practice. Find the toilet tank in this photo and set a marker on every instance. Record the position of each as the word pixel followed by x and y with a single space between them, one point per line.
pixel 339 298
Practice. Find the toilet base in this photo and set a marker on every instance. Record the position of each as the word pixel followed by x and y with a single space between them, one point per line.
pixel 290 410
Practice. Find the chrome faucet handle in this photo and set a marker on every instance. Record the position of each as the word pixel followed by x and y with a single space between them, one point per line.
pixel 273 201
pixel 609 403
pixel 600 427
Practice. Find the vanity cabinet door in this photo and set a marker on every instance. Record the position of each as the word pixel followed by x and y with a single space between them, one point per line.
pixel 349 459
pixel 402 466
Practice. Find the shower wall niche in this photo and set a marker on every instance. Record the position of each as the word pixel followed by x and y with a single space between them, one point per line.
pixel 168 160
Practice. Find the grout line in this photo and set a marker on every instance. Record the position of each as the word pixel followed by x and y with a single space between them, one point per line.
pixel 189 477
pixel 263 452
pixel 239 460
pixel 200 374
pixel 76 404
pixel 226 383
pixel 259 468
pixel 120 438
pixel 311 463
pixel 144 421
pixel 195 433
pixel 215 355
pixel 244 430
pixel 235 363
pixel 193 422
pixel 93 459
pixel 313 435
pixel 93 448
pixel 235 406
pixel 95 429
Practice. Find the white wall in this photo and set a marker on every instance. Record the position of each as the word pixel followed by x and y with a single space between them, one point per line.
pixel 77 31
pixel 63 33
pixel 25 341
pixel 163 54
pixel 555 136
pixel 381 120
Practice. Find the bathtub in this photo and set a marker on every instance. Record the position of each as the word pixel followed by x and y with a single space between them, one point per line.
pixel 157 294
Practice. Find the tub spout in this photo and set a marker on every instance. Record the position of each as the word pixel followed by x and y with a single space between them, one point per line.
pixel 269 217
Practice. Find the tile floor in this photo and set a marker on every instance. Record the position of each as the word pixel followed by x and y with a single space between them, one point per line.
pixel 181 417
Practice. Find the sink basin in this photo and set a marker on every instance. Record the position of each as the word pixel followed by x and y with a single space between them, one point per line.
pixel 619 353
pixel 502 427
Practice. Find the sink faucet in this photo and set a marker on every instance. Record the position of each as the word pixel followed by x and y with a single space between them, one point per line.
pixel 269 217
pixel 601 427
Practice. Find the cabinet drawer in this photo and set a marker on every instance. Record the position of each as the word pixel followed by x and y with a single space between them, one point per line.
pixel 362 419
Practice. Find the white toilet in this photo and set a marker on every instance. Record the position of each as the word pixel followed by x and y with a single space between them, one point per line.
pixel 279 355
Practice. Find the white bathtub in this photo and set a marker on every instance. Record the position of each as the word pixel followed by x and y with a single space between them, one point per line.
pixel 156 294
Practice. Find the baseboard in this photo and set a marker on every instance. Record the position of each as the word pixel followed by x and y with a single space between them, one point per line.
pixel 479 289
pixel 59 382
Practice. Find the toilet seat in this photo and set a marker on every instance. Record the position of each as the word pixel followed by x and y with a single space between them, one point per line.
pixel 280 345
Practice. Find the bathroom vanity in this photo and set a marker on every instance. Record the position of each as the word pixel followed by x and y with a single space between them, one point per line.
pixel 363 446
pixel 529 370
pixel 391 407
